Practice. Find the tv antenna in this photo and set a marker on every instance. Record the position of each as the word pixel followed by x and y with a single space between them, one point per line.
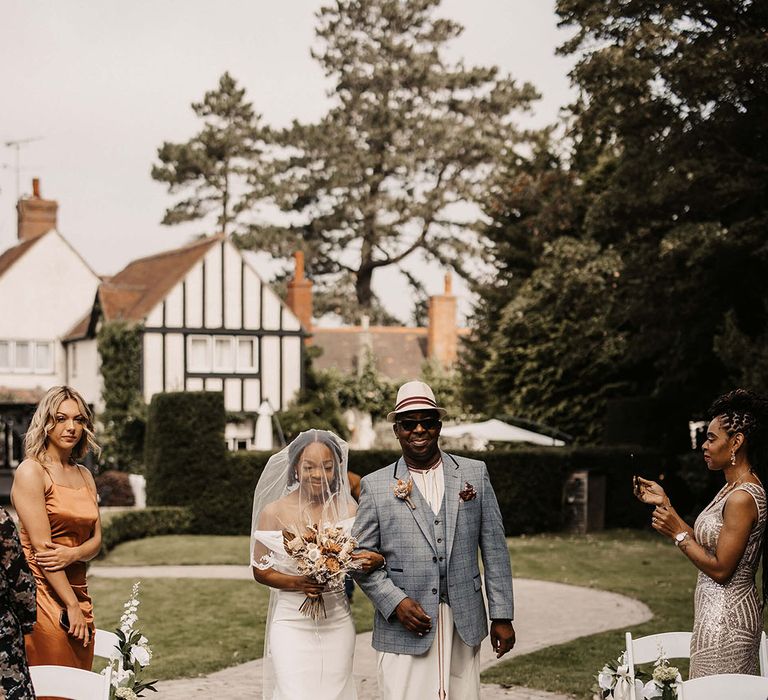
pixel 16 146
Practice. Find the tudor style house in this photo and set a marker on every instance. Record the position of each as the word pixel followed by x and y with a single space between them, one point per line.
pixel 207 319
pixel 208 323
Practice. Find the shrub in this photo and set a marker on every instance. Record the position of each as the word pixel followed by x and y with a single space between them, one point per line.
pixel 147 522
pixel 185 455
pixel 114 489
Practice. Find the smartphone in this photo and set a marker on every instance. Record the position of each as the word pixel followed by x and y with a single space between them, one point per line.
pixel 64 621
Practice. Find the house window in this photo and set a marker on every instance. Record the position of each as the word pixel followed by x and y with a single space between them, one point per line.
pixel 5 355
pixel 223 354
pixel 199 358
pixel 23 356
pixel 247 355
pixel 44 358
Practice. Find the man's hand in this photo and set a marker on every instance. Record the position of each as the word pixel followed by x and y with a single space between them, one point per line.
pixel 502 637
pixel 413 617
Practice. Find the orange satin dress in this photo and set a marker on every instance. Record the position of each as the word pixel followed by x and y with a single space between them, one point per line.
pixel 72 513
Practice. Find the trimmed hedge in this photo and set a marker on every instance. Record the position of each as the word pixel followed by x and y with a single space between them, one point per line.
pixel 147 522
pixel 186 457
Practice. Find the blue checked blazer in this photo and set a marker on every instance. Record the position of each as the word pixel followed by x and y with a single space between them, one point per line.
pixel 406 538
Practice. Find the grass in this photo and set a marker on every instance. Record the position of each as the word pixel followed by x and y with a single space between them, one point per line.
pixel 195 626
pixel 636 564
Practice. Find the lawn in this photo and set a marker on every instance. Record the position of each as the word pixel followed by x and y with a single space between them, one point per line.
pixel 195 626
pixel 640 565
pixel 223 620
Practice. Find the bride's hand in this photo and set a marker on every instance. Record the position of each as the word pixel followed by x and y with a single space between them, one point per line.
pixel 306 585
pixel 370 560
pixel 649 491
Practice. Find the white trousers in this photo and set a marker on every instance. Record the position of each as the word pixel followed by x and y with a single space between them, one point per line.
pixel 449 665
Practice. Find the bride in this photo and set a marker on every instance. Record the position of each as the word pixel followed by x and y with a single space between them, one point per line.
pixel 302 485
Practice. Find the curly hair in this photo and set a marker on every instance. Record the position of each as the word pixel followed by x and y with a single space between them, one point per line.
pixel 44 419
pixel 746 412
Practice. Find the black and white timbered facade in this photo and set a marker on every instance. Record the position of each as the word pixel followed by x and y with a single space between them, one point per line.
pixel 209 323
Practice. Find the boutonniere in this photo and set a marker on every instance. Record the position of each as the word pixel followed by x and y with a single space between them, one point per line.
pixel 468 492
pixel 402 489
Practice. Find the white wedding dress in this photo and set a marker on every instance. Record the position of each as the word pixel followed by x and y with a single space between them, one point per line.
pixel 306 659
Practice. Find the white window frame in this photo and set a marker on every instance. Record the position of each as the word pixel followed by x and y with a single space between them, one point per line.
pixel 9 366
pixel 206 367
pixel 224 367
pixel 24 369
pixel 254 342
pixel 49 368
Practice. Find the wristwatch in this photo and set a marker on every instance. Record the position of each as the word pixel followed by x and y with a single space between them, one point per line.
pixel 681 537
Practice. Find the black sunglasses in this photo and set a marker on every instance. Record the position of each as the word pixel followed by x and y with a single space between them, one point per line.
pixel 409 424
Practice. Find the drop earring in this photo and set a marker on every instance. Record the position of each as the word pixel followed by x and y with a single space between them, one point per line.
pixel 733 458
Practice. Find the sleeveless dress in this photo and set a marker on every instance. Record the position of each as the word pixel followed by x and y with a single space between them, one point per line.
pixel 306 658
pixel 728 618
pixel 17 613
pixel 72 514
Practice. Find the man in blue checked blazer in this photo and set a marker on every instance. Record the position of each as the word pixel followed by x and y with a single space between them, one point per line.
pixel 429 514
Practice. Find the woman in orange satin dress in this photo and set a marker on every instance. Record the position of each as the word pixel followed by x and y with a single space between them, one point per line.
pixel 56 501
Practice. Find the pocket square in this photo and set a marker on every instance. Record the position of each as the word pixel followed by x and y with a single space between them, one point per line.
pixel 468 492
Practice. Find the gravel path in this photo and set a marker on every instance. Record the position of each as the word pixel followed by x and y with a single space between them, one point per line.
pixel 547 614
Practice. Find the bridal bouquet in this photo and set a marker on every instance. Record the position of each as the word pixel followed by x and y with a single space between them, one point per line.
pixel 324 554
pixel 135 654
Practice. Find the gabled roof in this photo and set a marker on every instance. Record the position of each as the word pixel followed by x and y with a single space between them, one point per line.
pixel 142 284
pixel 10 256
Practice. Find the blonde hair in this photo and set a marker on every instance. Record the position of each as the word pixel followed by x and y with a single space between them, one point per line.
pixel 36 438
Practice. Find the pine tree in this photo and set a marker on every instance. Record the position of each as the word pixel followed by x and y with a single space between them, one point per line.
pixel 210 170
pixel 409 138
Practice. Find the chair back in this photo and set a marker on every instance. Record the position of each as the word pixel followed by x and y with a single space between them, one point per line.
pixel 70 683
pixel 726 685
pixel 643 650
pixel 105 645
pixel 763 655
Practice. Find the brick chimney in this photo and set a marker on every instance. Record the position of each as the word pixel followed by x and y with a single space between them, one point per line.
pixel 299 297
pixel 36 215
pixel 442 333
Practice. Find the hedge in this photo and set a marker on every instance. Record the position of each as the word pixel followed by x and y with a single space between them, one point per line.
pixel 114 488
pixel 146 522
pixel 186 457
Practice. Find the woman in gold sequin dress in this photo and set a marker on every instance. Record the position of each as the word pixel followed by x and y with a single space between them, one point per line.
pixel 727 539
pixel 55 498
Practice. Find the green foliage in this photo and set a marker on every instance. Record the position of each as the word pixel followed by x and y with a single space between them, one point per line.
pixel 367 390
pixel 147 522
pixel 124 415
pixel 185 453
pixel 408 134
pixel 316 405
pixel 211 168
pixel 745 356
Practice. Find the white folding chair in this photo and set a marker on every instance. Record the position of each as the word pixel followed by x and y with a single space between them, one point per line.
pixel 763 655
pixel 70 683
pixel 644 650
pixel 105 645
pixel 725 686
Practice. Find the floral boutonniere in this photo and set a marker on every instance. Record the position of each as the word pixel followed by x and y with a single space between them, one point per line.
pixel 468 492
pixel 402 489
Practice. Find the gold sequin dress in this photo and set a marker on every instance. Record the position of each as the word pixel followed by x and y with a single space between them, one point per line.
pixel 728 618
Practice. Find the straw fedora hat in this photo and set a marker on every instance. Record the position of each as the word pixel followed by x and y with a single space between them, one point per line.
pixel 415 396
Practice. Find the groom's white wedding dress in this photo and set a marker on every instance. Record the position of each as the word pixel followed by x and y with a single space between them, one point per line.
pixel 304 658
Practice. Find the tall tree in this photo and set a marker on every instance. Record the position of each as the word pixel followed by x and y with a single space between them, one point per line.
pixel 408 140
pixel 210 170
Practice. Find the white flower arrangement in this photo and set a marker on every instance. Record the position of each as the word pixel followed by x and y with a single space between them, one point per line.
pixel 615 682
pixel 135 654
pixel 665 682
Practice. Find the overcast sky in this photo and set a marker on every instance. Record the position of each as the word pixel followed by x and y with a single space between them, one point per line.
pixel 103 84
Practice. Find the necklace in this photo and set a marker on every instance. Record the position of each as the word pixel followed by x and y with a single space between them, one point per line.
pixel 729 487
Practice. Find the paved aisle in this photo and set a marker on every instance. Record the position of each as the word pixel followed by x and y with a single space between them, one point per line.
pixel 547 614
